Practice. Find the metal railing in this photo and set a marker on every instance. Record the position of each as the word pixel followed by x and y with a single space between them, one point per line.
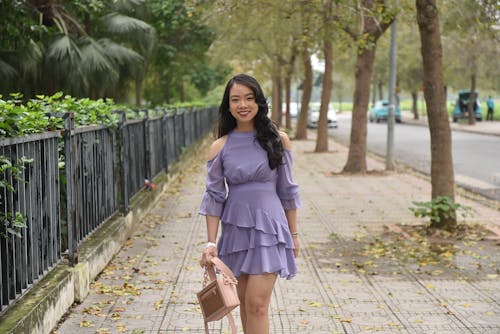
pixel 103 168
pixel 93 179
pixel 26 258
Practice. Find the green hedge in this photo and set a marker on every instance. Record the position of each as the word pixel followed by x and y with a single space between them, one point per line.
pixel 18 117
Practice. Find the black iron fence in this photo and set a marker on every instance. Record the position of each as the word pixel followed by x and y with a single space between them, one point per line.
pixel 92 180
pixel 77 179
pixel 26 258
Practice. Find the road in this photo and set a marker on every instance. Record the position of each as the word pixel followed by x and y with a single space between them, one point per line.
pixel 476 157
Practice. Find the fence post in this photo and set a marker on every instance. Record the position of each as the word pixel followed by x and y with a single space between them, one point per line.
pixel 147 148
pixel 164 135
pixel 70 154
pixel 122 165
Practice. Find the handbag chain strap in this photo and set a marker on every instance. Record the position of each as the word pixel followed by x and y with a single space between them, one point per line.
pixel 226 273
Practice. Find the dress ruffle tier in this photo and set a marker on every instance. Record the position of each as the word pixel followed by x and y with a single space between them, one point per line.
pixel 255 242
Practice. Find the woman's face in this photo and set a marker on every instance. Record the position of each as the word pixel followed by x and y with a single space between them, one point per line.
pixel 242 103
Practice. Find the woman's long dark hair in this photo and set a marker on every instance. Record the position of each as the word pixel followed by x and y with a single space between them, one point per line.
pixel 267 132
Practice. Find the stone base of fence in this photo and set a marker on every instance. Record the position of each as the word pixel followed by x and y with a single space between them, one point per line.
pixel 46 303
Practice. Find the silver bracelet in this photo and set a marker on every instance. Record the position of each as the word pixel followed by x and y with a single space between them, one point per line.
pixel 295 234
pixel 210 244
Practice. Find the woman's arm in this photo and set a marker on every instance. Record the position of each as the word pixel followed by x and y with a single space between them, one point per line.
pixel 215 184
pixel 291 217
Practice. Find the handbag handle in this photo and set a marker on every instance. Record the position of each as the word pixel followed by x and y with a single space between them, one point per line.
pixel 226 272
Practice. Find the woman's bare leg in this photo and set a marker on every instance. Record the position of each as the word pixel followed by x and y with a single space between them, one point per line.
pixel 241 287
pixel 257 297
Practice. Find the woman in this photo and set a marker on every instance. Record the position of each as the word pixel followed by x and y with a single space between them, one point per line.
pixel 259 238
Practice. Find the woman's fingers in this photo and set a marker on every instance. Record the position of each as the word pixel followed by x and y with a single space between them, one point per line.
pixel 207 256
pixel 296 248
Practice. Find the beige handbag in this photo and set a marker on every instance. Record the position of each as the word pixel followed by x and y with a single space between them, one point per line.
pixel 218 296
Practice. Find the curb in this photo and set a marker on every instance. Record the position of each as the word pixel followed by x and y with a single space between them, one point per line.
pixel 411 121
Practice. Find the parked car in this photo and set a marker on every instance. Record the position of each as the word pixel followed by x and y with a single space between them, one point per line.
pixel 380 111
pixel 313 117
pixel 462 104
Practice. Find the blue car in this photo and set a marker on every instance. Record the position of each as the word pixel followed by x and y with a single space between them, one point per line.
pixel 380 111
pixel 462 104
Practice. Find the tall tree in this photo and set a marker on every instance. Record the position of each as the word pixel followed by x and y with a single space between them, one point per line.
pixel 374 18
pixel 326 88
pixel 307 83
pixel 262 45
pixel 442 177
pixel 288 87
pixel 69 53
pixel 410 72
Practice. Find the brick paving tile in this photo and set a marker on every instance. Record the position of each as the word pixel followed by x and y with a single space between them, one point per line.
pixel 355 276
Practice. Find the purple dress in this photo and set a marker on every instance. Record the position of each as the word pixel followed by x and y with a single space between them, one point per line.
pixel 255 237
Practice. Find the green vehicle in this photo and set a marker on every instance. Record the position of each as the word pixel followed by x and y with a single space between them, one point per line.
pixel 462 103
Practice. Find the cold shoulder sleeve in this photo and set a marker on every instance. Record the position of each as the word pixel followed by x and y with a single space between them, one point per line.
pixel 215 195
pixel 288 191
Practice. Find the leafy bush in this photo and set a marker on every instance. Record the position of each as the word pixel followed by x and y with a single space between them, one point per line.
pixel 440 207
pixel 43 113
pixel 18 118
pixel 13 222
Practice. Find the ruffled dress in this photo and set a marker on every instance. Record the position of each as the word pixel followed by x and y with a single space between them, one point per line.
pixel 255 237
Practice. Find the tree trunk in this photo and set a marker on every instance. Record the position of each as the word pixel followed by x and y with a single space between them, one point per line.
pixel 181 90
pixel 288 90
pixel 472 100
pixel 356 160
pixel 339 97
pixel 138 91
pixel 372 29
pixel 414 105
pixel 301 132
pixel 280 100
pixel 167 92
pixel 374 93
pixel 276 107
pixel 380 90
pixel 288 87
pixel 322 137
pixel 326 89
pixel 442 177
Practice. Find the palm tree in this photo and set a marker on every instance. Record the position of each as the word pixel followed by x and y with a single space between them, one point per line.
pixel 67 57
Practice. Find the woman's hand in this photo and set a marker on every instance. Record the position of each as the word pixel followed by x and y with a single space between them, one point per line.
pixel 296 246
pixel 207 256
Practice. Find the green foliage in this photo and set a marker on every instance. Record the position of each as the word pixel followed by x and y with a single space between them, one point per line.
pixel 17 119
pixel 440 207
pixel 101 48
pixel 182 69
pixel 44 113
pixel 17 28
pixel 12 222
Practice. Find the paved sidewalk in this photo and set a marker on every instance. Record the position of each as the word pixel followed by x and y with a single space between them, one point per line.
pixel 355 275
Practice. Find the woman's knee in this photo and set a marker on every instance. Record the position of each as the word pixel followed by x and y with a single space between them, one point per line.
pixel 255 306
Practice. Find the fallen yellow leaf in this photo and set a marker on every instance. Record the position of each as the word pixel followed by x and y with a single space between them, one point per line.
pixel 103 331
pixel 158 304
pixel 86 323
